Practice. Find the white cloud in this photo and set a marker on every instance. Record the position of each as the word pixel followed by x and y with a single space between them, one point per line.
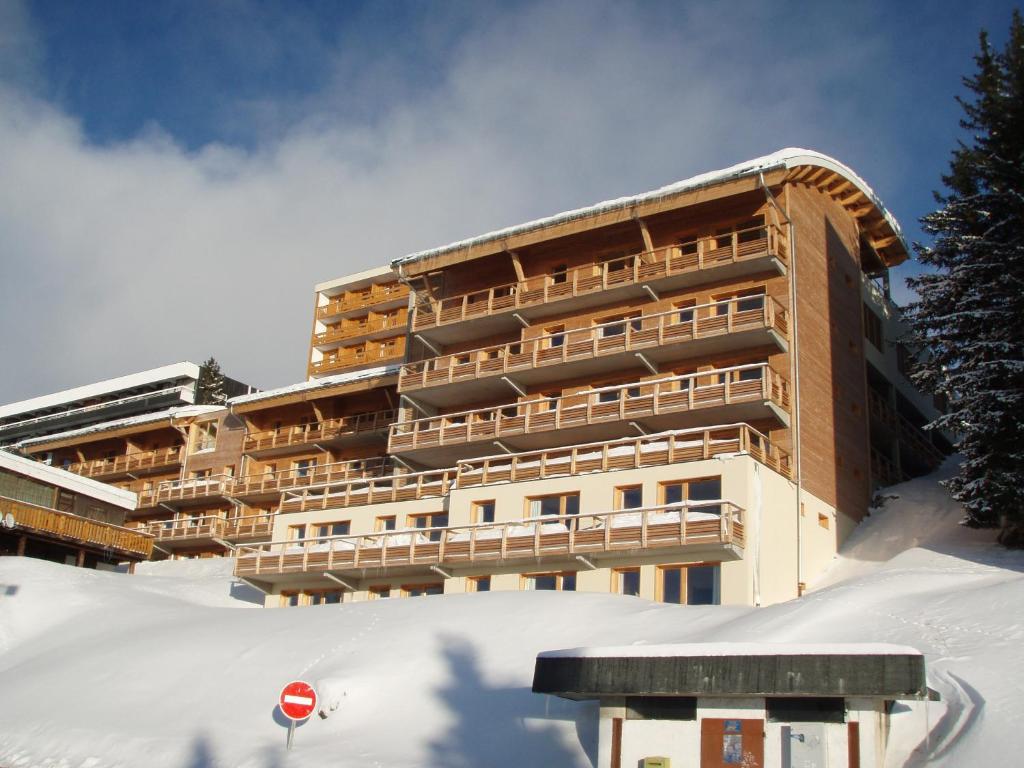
pixel 136 254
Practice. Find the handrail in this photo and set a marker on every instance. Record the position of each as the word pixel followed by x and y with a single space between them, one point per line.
pixel 904 427
pixel 679 524
pixel 691 256
pixel 370 354
pixel 358 299
pixel 373 490
pixel 210 526
pixel 657 449
pixel 82 529
pixel 614 337
pixel 370 326
pixel 312 475
pixel 740 383
pixel 294 434
pixel 127 462
pixel 97 406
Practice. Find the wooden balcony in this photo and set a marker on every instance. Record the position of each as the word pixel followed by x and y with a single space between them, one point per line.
pixel 884 472
pixel 378 356
pixel 661 449
pixel 192 490
pixel 274 483
pixel 727 395
pixel 76 530
pixel 378 490
pixel 699 529
pixel 717 257
pixel 357 330
pixel 713 328
pixel 375 295
pixel 331 431
pixel 208 530
pixel 143 462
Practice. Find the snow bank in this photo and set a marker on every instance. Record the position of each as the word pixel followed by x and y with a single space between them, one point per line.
pixel 101 669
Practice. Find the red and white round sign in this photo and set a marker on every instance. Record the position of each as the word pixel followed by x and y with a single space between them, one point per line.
pixel 298 700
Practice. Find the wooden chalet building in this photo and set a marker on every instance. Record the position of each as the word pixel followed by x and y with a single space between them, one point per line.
pixel 689 395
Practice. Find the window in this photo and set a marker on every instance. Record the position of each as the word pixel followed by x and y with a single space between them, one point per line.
pixel 558 582
pixel 296 532
pixel 627 581
pixel 379 593
pixel 420 590
pixel 326 597
pixel 206 437
pixel 385 523
pixel 750 374
pixel 433 520
pixel 557 505
pixel 290 599
pixel 479 584
pixel 684 311
pixel 304 467
pixel 558 273
pixel 750 230
pixel 483 511
pixel 616 326
pixel 608 396
pixel 339 528
pixel 703 489
pixel 873 328
pixel 553 337
pixel 689 584
pixel 629 497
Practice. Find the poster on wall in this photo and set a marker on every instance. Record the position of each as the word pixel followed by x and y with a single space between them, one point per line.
pixel 732 743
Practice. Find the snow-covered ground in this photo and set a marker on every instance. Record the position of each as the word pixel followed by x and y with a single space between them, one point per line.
pixel 170 668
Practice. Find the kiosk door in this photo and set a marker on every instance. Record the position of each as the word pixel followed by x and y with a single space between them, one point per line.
pixel 727 743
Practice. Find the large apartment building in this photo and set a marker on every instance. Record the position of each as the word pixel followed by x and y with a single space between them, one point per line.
pixel 689 395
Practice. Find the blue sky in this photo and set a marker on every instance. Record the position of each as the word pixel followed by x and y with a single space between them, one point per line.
pixel 175 177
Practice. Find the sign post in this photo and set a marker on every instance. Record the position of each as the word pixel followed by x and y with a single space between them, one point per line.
pixel 297 702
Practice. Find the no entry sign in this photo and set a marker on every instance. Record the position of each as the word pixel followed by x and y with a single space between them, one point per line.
pixel 298 700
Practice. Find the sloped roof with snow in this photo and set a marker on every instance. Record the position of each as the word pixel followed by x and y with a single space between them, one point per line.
pixel 790 157
pixel 67 480
pixel 183 412
pixel 314 385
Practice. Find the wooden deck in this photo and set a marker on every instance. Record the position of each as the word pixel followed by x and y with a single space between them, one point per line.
pixel 367 297
pixel 705 253
pixel 132 463
pixel 356 330
pixel 377 355
pixel 271 483
pixel 606 340
pixel 353 493
pixel 197 531
pixel 323 431
pixel 77 530
pixel 675 447
pixel 716 525
pixel 757 383
pixel 195 489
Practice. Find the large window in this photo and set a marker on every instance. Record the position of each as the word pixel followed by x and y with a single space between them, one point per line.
pixel 483 511
pixel 627 581
pixel 629 497
pixel 689 584
pixel 559 582
pixel 339 528
pixel 559 504
pixel 873 328
pixel 420 590
pixel 431 520
pixel 699 489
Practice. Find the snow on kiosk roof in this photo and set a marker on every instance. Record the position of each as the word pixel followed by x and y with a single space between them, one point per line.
pixel 790 164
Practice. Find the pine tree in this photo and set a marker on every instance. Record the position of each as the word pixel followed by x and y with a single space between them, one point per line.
pixel 968 320
pixel 210 384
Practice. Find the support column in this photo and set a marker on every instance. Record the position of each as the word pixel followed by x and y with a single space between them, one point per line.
pixel 22 540
pixel 80 560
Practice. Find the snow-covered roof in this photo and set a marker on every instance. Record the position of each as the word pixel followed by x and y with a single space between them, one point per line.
pixel 316 384
pixel 101 388
pixel 67 480
pixel 359 279
pixel 685 650
pixel 790 157
pixel 183 412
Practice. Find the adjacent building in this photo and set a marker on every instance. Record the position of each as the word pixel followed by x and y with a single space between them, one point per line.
pixel 689 395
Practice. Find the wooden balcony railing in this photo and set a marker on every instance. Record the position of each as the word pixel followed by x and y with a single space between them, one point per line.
pixel 342 332
pixel 182 490
pixel 132 462
pixel 210 527
pixel 629 335
pixel 414 485
pixel 907 432
pixel 533 540
pixel 694 256
pixel 724 386
pixel 884 471
pixel 660 449
pixel 376 355
pixel 319 474
pixel 307 434
pixel 375 294
pixel 77 529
